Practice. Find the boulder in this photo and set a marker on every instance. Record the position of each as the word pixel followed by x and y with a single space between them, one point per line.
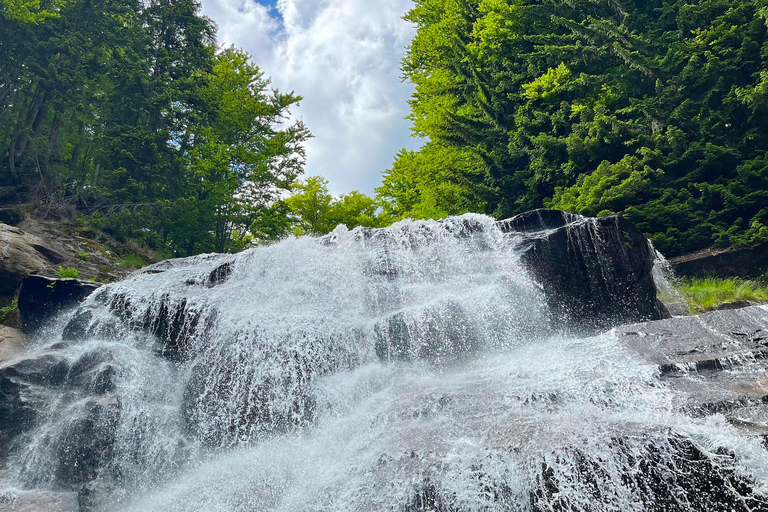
pixel 41 298
pixel 11 342
pixel 596 273
pixel 39 501
pixel 16 413
pixel 11 216
pixel 746 262
pixel 22 255
pixel 87 441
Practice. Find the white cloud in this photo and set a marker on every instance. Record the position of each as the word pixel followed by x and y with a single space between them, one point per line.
pixel 343 57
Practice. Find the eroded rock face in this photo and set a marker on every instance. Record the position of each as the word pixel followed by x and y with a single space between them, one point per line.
pixel 595 272
pixel 744 262
pixel 16 413
pixel 716 360
pixel 22 255
pixel 41 298
pixel 39 501
pixel 12 342
pixel 668 474
pixel 82 443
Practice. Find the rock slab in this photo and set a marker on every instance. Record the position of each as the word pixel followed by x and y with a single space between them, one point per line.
pixel 21 255
pixel 596 273
pixel 41 298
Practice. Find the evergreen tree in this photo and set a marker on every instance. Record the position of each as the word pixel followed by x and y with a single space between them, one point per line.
pixel 653 109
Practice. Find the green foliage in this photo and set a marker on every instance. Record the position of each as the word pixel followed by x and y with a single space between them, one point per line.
pixel 549 85
pixel 706 294
pixel 409 192
pixel 129 111
pixel 317 212
pixel 654 110
pixel 6 310
pixel 609 189
pixel 67 272
pixel 133 261
pixel 84 256
pixel 24 11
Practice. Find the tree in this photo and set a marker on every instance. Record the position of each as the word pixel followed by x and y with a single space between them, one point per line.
pixel 243 157
pixel 317 212
pixel 543 94
pixel 129 111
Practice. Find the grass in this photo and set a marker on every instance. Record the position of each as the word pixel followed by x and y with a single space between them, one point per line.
pixel 133 261
pixel 706 294
pixel 67 272
pixel 82 256
pixel 4 312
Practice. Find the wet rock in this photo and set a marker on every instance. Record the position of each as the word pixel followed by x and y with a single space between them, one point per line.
pixel 39 501
pixel 94 372
pixel 173 321
pixel 16 413
pixel 87 442
pixel 12 342
pixel 220 274
pixel 442 335
pixel 428 497
pixel 670 474
pixel 222 407
pixel 41 298
pixel 42 370
pixel 77 327
pixel 724 353
pixel 22 255
pixel 595 272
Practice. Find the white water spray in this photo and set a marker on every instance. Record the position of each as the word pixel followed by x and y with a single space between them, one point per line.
pixel 409 368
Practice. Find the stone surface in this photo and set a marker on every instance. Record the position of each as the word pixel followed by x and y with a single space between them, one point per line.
pixel 717 361
pixel 38 501
pixel 41 298
pixel 595 272
pixel 22 255
pixel 11 216
pixel 16 413
pixel 87 432
pixel 12 342
pixel 87 442
pixel 747 262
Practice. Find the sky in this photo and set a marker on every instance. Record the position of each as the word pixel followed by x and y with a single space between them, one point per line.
pixel 343 57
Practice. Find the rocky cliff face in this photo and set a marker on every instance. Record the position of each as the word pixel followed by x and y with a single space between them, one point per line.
pixel 21 255
pixel 595 272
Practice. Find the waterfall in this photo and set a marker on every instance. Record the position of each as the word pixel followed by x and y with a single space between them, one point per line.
pixel 415 367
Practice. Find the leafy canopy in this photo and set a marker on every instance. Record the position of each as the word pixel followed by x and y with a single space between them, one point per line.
pixel 655 110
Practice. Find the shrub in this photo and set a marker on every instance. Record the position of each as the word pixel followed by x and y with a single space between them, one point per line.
pixel 67 272
pixel 82 256
pixel 4 312
pixel 133 260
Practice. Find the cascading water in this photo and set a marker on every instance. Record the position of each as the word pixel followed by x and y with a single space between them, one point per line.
pixel 410 368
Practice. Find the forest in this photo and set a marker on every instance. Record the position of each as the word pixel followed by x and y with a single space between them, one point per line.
pixel 651 109
pixel 656 110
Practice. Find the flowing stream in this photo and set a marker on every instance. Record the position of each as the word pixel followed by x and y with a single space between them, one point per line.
pixel 415 367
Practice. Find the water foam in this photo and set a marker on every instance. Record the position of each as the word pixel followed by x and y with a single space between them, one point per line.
pixel 411 368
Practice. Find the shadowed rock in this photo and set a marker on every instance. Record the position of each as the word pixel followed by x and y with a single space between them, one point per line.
pixel 41 298
pixel 22 255
pixel 595 272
